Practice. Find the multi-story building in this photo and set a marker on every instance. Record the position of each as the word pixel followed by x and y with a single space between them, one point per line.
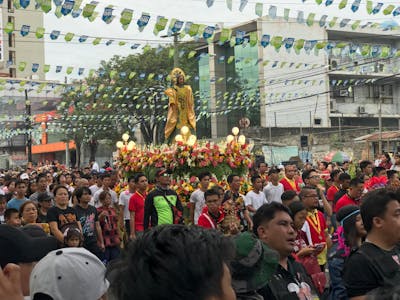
pixel 15 48
pixel 330 82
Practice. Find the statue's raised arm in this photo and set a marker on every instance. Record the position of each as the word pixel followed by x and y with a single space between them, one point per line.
pixel 180 106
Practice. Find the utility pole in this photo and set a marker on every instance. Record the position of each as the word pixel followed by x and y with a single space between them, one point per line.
pixel 380 124
pixel 176 48
pixel 176 53
pixel 28 126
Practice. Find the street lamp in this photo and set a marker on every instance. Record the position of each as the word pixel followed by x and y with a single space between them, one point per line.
pixel 240 139
pixel 125 144
pixel 185 137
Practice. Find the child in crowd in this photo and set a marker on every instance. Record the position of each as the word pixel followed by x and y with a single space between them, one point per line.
pixel 11 217
pixel 109 226
pixel 3 204
pixel 73 237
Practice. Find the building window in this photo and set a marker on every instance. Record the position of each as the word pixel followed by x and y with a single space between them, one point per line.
pixel 317 121
pixel 383 92
pixel 13 72
pixel 11 19
pixel 11 40
pixel 10 6
pixel 11 57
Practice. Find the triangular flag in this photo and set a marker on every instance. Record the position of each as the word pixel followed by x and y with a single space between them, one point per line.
pixel 369 6
pixel 194 29
pixel 229 4
pixel 388 10
pixel 25 30
pixel 310 19
pixel 286 14
pixel 46 68
pixel 22 66
pixel 54 34
pixel 342 4
pixel 126 18
pixel 24 3
pixel 69 36
pixel 333 22
pixel 96 41
pixel 356 24
pixel 40 32
pixel 45 5
pixel 89 9
pixel 9 28
pixel 259 9
pixel 107 14
pixel 210 3
pixel 67 7
pixel 160 24
pixel 356 5
pixel 143 21
pixel 242 5
pixel 253 38
pixel 69 70
pixel 225 35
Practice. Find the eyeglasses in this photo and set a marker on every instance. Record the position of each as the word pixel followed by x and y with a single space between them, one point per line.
pixel 310 196
pixel 314 177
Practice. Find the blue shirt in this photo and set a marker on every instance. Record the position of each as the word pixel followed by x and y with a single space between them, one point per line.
pixel 15 203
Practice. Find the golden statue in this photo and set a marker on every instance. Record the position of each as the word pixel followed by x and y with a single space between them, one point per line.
pixel 181 105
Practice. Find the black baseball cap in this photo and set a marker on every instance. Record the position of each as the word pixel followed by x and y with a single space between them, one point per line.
pixel 17 246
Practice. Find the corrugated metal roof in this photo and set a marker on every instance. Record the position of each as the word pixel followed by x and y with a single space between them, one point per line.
pixel 374 137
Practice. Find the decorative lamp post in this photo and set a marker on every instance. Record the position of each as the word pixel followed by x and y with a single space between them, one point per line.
pixel 239 139
pixel 125 144
pixel 185 137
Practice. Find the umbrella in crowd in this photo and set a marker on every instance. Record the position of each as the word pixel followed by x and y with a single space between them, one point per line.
pixel 337 156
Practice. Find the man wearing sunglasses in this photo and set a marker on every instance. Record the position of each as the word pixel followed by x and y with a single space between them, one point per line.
pixel 162 205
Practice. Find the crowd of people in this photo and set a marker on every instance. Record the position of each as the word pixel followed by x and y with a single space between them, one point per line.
pixel 309 233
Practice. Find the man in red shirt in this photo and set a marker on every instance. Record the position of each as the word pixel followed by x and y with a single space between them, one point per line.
pixel 353 195
pixel 212 215
pixel 136 205
pixel 315 221
pixel 334 188
pixel 288 182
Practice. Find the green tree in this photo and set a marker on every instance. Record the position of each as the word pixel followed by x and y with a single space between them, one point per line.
pixel 124 93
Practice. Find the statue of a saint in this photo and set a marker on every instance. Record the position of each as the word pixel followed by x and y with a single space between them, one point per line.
pixel 180 107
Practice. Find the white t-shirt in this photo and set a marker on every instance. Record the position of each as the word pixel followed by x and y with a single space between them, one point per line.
pixel 94 188
pixel 95 198
pixel 124 200
pixel 273 193
pixel 254 199
pixel 197 197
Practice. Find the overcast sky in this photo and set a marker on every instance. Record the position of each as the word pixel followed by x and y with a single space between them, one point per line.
pixel 89 56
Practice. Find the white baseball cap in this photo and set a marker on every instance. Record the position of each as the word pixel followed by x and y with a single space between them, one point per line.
pixel 24 176
pixel 69 274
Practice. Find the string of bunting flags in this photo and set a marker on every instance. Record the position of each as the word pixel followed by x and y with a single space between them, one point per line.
pixel 73 8
pixel 237 101
pixel 67 7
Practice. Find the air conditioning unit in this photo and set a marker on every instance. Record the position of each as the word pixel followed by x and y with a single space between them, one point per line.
pixel 361 110
pixel 344 93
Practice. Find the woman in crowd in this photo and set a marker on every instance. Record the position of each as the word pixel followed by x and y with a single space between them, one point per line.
pixel 28 213
pixel 349 236
pixel 60 216
pixel 109 226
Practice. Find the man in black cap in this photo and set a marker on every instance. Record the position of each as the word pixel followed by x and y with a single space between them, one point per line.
pixel 20 248
pixel 162 204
